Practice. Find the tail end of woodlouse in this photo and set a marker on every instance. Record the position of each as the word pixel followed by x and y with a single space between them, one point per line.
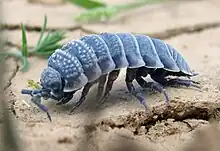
pixel 195 74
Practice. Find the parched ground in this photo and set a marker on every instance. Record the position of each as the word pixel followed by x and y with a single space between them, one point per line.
pixel 193 27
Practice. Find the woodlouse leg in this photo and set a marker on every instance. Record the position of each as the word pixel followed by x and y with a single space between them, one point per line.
pixel 130 77
pixel 66 98
pixel 102 81
pixel 153 85
pixel 83 95
pixel 111 79
pixel 182 82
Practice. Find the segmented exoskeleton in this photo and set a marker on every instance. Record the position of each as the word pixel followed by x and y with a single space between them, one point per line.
pixel 100 57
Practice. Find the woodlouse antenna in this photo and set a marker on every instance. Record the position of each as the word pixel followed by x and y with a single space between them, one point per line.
pixel 36 99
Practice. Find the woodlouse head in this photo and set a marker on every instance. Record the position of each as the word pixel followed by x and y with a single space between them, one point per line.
pixel 51 82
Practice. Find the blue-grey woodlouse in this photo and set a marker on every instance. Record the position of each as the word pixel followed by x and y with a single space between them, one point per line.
pixel 99 58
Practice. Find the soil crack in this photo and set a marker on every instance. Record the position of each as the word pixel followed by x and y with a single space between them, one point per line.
pixel 178 111
pixel 170 33
pixel 14 72
pixel 36 28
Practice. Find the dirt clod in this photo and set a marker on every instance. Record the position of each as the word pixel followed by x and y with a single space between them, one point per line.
pixel 89 128
pixel 65 140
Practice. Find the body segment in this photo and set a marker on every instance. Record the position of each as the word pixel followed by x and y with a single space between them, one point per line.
pixel 86 57
pixel 102 52
pixel 131 49
pixel 148 52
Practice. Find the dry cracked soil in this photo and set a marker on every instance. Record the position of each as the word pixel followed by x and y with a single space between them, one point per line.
pixel 191 123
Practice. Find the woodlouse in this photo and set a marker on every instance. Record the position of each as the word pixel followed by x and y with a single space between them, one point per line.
pixel 100 57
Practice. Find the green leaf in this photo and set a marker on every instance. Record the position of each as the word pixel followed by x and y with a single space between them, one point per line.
pixel 54 37
pixel 88 4
pixel 43 29
pixel 49 43
pixel 51 48
pixel 48 48
pixel 105 13
pixel 97 14
pixel 24 49
pixel 45 46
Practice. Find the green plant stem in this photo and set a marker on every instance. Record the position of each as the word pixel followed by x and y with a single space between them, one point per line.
pixel 24 49
pixel 88 4
pixel 43 29
pixel 105 13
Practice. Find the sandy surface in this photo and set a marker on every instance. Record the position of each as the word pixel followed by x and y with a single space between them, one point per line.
pixel 193 27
